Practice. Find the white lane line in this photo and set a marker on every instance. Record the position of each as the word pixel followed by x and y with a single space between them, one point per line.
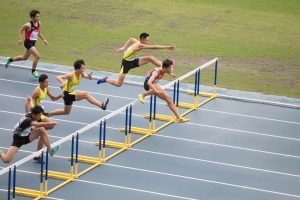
pixel 195 141
pixel 77 106
pixel 177 176
pixel 248 116
pixel 242 131
pixel 134 189
pixel 186 158
pixel 203 180
pixel 228 146
pixel 190 123
pixel 209 110
pixel 102 94
pixel 213 162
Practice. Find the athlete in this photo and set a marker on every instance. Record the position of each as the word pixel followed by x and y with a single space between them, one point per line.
pixel 131 59
pixel 70 95
pixel 32 31
pixel 37 98
pixel 152 88
pixel 26 130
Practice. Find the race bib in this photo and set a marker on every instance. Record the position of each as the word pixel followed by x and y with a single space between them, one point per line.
pixel 34 35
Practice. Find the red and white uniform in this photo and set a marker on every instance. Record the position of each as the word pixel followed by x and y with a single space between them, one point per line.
pixel 33 33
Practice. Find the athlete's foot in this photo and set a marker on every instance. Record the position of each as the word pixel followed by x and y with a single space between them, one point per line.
pixel 104 104
pixel 102 80
pixel 38 159
pixel 141 98
pixel 54 150
pixel 9 60
pixel 182 120
pixel 35 74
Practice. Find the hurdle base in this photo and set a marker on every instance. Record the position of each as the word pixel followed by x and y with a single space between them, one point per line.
pixel 140 131
pixel 59 175
pixel 166 118
pixel 202 94
pixel 87 159
pixel 187 105
pixel 115 145
pixel 29 193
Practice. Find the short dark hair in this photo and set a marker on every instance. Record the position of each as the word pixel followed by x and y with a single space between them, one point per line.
pixel 42 78
pixel 167 63
pixel 33 13
pixel 78 63
pixel 144 35
pixel 37 110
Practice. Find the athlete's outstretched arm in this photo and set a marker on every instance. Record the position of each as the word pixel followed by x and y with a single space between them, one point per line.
pixel 129 42
pixel 54 97
pixel 145 46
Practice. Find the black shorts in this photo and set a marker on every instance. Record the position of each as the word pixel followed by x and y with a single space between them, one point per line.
pixel 19 141
pixel 69 98
pixel 29 43
pixel 146 86
pixel 128 65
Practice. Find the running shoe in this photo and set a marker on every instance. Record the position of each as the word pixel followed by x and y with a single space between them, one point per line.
pixel 141 98
pixel 102 80
pixel 35 74
pixel 182 120
pixel 9 60
pixel 54 150
pixel 104 104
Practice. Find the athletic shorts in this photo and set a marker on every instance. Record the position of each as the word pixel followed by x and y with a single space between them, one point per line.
pixel 146 86
pixel 69 98
pixel 128 65
pixel 19 141
pixel 29 43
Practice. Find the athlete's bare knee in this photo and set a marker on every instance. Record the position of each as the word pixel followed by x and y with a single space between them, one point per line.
pixel 6 159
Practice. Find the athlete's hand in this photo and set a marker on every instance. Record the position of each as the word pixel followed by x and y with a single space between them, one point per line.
pixel 53 123
pixel 20 41
pixel 61 96
pixel 119 49
pixel 46 42
pixel 173 75
pixel 90 76
pixel 62 85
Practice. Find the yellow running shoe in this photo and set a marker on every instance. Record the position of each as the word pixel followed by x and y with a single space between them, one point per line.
pixel 182 120
pixel 141 98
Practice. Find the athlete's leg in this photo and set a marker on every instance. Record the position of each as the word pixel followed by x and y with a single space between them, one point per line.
pixel 119 82
pixel 9 155
pixel 33 50
pixel 24 56
pixel 42 133
pixel 147 59
pixel 65 111
pixel 85 95
pixel 164 96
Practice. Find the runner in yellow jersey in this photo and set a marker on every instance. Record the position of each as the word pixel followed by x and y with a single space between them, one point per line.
pixel 131 58
pixel 37 99
pixel 70 94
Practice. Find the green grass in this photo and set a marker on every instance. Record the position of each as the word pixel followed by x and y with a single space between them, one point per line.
pixel 258 42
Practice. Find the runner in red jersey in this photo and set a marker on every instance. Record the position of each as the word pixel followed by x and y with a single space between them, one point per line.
pixel 32 31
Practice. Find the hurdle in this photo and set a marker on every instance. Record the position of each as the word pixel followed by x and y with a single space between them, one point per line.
pixel 75 158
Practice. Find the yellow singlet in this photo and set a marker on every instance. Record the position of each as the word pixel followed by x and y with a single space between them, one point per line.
pixel 69 85
pixel 129 55
pixel 42 96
